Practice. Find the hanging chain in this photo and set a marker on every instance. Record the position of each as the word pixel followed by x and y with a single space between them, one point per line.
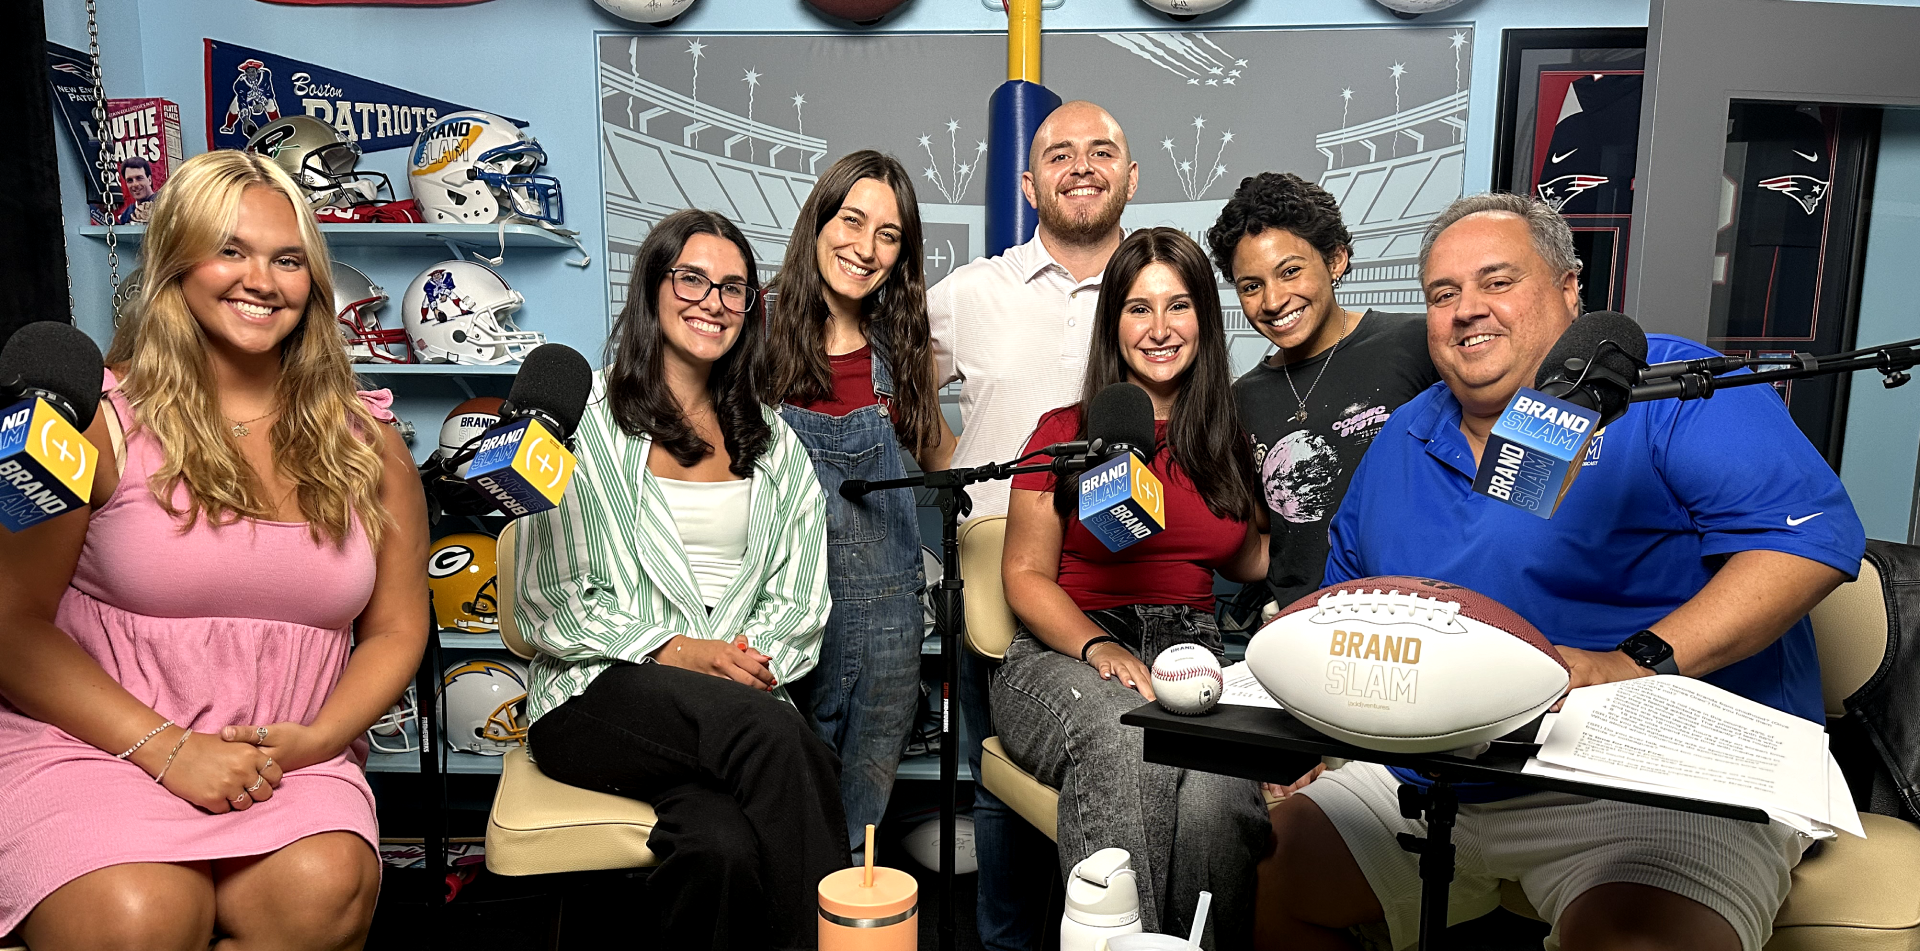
pixel 103 166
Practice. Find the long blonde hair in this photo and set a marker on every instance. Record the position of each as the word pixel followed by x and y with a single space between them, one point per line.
pixel 325 441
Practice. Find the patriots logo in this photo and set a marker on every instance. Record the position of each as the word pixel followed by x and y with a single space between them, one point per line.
pixel 1557 192
pixel 442 301
pixel 1804 189
pixel 70 68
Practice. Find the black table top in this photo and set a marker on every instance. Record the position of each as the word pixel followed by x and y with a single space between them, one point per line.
pixel 1272 746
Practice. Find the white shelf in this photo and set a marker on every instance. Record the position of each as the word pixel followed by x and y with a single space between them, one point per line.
pixel 396 235
pixel 481 641
pixel 434 369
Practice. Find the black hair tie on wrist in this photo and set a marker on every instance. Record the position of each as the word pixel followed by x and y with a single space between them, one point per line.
pixel 1097 639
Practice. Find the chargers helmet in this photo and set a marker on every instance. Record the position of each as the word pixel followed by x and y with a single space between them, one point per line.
pixel 481 700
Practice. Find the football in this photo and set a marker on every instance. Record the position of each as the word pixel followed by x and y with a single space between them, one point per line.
pixel 861 12
pixel 1406 665
pixel 923 844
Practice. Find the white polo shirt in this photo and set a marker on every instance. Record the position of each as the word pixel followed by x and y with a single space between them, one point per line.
pixel 1014 330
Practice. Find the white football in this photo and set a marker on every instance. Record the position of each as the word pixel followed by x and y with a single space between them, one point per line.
pixel 1187 679
pixel 1406 665
pixel 923 844
pixel 1185 9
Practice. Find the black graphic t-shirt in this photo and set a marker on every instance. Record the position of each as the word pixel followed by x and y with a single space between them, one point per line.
pixel 1304 466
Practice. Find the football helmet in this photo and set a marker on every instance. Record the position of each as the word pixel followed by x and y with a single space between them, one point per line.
pixel 477 168
pixel 321 160
pixel 460 573
pixel 389 733
pixel 467 421
pixel 460 312
pixel 656 12
pixel 356 305
pixel 484 709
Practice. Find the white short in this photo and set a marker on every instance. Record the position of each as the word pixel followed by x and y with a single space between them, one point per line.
pixel 1557 846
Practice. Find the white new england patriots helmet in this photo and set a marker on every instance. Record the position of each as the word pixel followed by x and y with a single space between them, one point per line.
pixel 461 312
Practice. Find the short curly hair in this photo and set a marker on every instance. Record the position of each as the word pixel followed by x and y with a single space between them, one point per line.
pixel 1278 200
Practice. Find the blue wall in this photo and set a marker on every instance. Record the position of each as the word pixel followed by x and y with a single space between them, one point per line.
pixel 533 59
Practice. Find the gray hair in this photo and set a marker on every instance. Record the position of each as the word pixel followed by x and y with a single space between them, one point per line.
pixel 1552 239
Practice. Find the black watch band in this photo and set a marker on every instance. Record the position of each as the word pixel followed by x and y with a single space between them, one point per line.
pixel 1651 651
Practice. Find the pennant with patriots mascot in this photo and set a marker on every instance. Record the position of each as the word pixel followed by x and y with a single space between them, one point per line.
pixel 248 88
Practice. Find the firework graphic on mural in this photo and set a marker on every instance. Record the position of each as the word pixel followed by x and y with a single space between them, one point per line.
pixel 1195 178
pixel 954 189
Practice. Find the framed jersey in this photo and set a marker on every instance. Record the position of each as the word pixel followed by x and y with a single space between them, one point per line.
pixel 1568 130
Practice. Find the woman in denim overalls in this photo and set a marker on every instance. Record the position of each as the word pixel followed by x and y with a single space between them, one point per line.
pixel 850 362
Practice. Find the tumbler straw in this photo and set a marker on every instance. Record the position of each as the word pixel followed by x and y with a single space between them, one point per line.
pixel 868 880
pixel 1200 918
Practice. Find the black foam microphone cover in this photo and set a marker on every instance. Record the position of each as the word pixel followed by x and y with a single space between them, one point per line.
pixel 1610 349
pixel 59 359
pixel 554 381
pixel 1122 414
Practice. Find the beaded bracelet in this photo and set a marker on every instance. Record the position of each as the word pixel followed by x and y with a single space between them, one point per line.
pixel 156 731
pixel 184 735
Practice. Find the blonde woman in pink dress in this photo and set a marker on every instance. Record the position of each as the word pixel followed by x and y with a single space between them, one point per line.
pixel 245 594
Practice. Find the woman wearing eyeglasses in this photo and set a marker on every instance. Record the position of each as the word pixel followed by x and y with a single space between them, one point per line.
pixel 676 591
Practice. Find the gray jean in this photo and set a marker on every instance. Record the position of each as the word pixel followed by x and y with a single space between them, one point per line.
pixel 1186 830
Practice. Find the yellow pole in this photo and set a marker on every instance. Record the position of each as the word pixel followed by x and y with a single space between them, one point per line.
pixel 1023 40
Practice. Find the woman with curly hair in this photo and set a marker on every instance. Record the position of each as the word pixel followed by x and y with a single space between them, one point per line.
pixel 193 658
pixel 1281 244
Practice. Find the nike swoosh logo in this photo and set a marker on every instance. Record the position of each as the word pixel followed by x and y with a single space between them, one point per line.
pixel 1815 157
pixel 1791 521
pixel 1557 159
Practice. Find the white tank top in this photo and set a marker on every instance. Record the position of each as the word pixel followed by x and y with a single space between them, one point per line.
pixel 712 520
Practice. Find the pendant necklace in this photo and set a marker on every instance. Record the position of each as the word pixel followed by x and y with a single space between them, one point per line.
pixel 240 428
pixel 1301 416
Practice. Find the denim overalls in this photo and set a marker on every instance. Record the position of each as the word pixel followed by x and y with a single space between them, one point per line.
pixel 864 695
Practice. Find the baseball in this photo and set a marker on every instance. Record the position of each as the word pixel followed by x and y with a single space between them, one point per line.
pixel 1187 680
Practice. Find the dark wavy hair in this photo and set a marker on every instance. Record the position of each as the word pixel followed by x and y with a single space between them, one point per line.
pixel 796 370
pixel 637 392
pixel 1280 200
pixel 1203 431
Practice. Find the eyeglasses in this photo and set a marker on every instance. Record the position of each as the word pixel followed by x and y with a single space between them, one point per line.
pixel 693 287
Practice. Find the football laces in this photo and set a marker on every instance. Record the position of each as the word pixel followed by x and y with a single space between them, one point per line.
pixel 1394 605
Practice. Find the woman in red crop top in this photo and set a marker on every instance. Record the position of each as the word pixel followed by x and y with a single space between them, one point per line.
pixel 1092 620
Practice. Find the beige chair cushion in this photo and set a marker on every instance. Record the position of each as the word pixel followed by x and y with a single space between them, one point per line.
pixel 1850 632
pixel 990 624
pixel 1849 895
pixel 1035 801
pixel 539 825
pixel 503 579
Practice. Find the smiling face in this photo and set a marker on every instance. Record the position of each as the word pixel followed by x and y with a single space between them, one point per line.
pixel 138 185
pixel 1080 175
pixel 700 332
pixel 250 294
pixel 859 245
pixel 1286 291
pixel 1159 333
pixel 1494 309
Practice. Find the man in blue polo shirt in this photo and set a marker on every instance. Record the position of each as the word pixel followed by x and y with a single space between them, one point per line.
pixel 1694 540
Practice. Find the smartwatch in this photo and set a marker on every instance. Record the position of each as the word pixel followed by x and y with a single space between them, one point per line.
pixel 1649 650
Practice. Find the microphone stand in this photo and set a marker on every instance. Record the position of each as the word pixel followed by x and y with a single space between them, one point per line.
pixel 1892 360
pixel 950 489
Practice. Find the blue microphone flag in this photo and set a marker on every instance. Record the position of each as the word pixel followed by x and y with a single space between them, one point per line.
pixel 1533 452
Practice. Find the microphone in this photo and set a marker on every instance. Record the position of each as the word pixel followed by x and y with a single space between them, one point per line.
pixel 50 377
pixel 523 463
pixel 1532 454
pixel 1596 363
pixel 1121 501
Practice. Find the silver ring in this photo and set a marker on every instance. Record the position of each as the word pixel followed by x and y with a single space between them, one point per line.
pixel 268 764
pixel 261 733
pixel 237 800
pixel 256 785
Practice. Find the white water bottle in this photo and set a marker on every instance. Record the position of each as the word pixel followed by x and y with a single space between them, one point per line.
pixel 1103 900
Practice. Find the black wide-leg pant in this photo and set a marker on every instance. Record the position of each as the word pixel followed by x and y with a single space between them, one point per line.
pixel 747 797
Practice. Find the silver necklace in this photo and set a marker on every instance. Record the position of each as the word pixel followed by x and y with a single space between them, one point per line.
pixel 1301 416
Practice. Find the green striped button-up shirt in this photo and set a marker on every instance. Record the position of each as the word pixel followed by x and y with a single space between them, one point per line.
pixel 603 577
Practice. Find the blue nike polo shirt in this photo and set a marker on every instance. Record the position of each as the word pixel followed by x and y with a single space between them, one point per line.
pixel 1663 493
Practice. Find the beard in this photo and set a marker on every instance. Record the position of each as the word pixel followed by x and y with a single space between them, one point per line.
pixel 1085 228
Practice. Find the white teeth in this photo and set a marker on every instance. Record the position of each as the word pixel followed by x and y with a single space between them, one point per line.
pixel 853 269
pixel 704 326
pixel 251 309
pixel 1162 352
pixel 1085 190
pixel 1476 339
pixel 1288 317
